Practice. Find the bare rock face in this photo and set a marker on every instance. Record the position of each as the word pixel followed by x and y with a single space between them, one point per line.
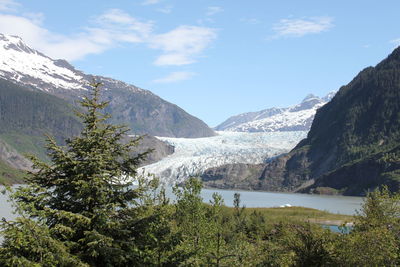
pixel 159 149
pixel 243 176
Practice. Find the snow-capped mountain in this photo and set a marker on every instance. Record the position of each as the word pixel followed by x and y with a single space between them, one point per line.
pixel 144 112
pixel 21 63
pixel 192 156
pixel 296 118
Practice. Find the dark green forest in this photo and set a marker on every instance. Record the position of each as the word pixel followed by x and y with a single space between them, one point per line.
pixel 82 209
pixel 27 115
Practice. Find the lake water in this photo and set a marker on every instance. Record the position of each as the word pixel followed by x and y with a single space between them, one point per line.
pixel 253 199
pixel 334 204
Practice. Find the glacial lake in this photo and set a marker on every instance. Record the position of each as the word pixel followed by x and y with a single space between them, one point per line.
pixel 252 199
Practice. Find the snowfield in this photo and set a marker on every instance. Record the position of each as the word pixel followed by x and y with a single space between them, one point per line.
pixel 295 118
pixel 25 65
pixel 193 156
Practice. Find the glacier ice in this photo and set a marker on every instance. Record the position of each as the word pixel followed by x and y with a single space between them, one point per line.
pixel 193 156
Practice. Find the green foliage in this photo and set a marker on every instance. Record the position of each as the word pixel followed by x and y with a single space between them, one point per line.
pixel 84 197
pixel 81 209
pixel 380 209
pixel 28 243
pixel 375 247
pixel 192 222
pixel 375 238
pixel 26 115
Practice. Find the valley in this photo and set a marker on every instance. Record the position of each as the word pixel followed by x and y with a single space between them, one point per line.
pixel 199 133
pixel 310 147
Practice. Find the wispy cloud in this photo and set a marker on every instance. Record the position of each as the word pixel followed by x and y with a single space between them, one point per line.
pixel 179 46
pixel 150 2
pixel 8 5
pixel 182 45
pixel 175 77
pixel 301 27
pixel 109 29
pixel 122 24
pixel 212 10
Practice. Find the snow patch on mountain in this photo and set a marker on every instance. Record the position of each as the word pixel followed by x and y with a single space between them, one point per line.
pixel 295 118
pixel 193 156
pixel 23 64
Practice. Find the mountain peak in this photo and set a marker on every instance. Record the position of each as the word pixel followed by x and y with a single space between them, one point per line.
pixel 14 42
pixel 309 97
pixel 23 64
pixel 10 38
pixel 329 96
pixel 295 118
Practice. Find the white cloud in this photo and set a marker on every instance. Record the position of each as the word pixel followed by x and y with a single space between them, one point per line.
pixel 301 27
pixel 212 10
pixel 182 45
pixel 150 2
pixel 116 20
pixel 36 18
pixel 111 28
pixel 8 5
pixel 175 77
pixel 179 46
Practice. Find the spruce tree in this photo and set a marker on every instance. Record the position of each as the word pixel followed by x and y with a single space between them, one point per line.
pixel 85 195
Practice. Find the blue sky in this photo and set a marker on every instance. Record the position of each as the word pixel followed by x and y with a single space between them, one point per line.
pixel 213 58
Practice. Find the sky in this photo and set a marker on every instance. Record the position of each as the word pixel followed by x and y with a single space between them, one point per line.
pixel 213 58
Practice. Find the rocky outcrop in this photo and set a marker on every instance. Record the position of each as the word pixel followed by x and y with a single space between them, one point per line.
pixel 159 149
pixel 243 176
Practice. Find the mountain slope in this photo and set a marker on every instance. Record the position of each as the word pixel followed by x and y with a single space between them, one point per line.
pixel 296 118
pixel 354 142
pixel 141 110
pixel 26 115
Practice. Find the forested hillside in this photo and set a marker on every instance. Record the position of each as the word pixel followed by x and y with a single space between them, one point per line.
pixel 353 144
pixel 26 115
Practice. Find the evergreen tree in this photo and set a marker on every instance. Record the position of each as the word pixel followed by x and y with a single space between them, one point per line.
pixel 84 196
pixel 193 228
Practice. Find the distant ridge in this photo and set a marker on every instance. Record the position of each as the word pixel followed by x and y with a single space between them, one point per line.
pixel 295 118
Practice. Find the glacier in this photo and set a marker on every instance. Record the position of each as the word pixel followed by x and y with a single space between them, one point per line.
pixel 193 156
